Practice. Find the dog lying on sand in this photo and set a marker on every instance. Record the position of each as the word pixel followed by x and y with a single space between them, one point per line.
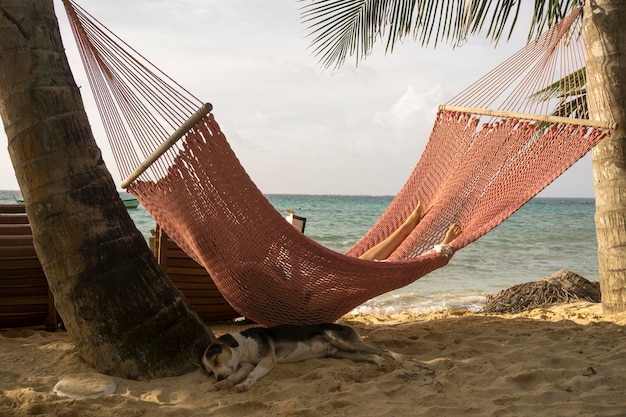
pixel 239 360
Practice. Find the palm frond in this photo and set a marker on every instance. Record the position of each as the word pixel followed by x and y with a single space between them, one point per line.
pixel 563 87
pixel 342 28
pixel 570 94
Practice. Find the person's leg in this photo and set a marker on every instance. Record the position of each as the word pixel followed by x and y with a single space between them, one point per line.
pixel 385 248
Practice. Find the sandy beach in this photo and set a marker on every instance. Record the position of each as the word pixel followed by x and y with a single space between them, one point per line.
pixel 567 360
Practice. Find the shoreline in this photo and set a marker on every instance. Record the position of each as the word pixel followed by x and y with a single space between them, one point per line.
pixel 567 359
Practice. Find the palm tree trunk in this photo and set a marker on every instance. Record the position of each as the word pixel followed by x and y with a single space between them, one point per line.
pixel 605 35
pixel 123 314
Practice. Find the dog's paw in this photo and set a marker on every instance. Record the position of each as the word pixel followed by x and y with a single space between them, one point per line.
pixel 210 388
pixel 223 385
pixel 244 386
pixel 379 361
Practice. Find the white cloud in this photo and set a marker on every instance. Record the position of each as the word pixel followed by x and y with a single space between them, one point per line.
pixel 412 110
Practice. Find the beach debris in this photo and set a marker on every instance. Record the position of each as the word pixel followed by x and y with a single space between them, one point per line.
pixel 85 385
pixel 589 372
pixel 561 287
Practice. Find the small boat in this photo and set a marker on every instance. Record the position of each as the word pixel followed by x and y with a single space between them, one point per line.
pixel 131 203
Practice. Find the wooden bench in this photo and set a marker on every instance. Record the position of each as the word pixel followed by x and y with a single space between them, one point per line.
pixel 25 299
pixel 192 280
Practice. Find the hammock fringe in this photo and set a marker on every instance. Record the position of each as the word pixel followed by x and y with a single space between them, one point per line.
pixel 528 116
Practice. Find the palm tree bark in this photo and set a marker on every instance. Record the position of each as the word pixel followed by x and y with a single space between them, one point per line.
pixel 603 27
pixel 123 314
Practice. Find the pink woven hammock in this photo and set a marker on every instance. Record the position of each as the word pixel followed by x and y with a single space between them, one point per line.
pixel 472 174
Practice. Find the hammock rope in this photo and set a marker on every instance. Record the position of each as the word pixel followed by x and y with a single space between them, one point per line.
pixel 478 168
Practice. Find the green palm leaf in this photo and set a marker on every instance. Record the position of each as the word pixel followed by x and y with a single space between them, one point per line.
pixel 342 28
pixel 570 93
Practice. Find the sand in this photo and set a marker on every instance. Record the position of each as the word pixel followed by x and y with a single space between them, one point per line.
pixel 567 360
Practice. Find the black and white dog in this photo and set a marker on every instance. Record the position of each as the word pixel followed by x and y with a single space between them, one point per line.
pixel 239 360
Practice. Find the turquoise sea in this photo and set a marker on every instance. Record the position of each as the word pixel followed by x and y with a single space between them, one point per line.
pixel 545 235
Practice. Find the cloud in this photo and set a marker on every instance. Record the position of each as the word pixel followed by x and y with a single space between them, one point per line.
pixel 412 111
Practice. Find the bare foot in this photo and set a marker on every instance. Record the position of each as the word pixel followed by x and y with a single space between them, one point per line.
pixel 385 248
pixel 453 232
pixel 415 215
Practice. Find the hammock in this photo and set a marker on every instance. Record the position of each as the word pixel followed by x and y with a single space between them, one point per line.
pixel 478 168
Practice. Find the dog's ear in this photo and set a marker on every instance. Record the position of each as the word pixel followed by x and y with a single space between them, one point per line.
pixel 213 350
pixel 228 340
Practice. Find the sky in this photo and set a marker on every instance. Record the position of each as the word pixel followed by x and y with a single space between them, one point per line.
pixel 296 127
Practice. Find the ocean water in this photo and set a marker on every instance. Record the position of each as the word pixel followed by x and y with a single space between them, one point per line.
pixel 545 235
